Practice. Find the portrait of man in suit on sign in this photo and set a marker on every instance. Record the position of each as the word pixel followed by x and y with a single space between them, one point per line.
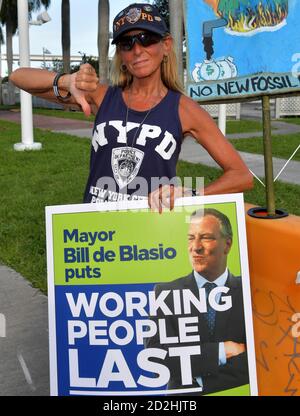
pixel 222 363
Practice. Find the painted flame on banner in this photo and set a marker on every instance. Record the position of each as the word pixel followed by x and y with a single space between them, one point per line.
pixel 247 17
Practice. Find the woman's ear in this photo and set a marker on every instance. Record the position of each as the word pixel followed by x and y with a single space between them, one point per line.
pixel 168 43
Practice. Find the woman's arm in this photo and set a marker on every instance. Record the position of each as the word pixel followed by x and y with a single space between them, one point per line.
pixel 83 85
pixel 199 124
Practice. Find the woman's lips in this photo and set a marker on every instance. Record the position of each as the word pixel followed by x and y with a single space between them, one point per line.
pixel 138 63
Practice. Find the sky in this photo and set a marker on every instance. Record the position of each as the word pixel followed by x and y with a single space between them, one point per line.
pixel 84 27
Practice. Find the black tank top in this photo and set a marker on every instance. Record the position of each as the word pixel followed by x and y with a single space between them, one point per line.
pixel 124 169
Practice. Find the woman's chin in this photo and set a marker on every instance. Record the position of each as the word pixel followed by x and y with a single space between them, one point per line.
pixel 143 73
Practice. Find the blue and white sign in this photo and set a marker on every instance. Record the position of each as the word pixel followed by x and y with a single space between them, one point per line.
pixel 117 324
pixel 242 48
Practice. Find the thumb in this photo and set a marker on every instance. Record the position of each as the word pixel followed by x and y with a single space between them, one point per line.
pixel 86 108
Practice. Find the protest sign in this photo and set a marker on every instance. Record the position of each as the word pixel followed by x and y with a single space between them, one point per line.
pixel 112 311
pixel 233 48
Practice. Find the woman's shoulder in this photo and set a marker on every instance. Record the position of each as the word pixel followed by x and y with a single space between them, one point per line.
pixel 190 108
pixel 192 115
pixel 187 101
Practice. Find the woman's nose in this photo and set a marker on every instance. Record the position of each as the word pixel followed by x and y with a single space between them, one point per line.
pixel 137 48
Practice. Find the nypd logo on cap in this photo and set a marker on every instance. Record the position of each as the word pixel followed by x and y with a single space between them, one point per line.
pixel 138 16
pixel 133 15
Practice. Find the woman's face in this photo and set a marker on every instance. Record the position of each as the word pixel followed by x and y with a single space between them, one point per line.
pixel 143 61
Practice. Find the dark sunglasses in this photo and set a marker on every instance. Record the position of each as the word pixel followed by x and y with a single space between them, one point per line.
pixel 145 39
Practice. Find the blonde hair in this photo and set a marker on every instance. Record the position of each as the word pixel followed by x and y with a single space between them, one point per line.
pixel 169 72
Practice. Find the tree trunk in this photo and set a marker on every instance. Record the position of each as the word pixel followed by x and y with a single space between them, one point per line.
pixel 103 39
pixel 176 28
pixel 65 35
pixel 9 55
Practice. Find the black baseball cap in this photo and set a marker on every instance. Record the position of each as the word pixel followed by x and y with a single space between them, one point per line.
pixel 139 16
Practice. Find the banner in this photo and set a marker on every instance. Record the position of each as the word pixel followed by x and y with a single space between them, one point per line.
pixel 127 315
pixel 239 49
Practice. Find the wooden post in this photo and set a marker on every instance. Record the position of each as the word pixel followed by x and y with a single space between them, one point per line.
pixel 267 139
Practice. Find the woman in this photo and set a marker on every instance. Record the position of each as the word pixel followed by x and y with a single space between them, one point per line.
pixel 142 119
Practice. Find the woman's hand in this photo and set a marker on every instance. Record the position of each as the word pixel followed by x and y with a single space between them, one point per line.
pixel 165 196
pixel 82 83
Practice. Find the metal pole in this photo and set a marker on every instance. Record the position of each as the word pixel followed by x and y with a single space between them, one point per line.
pixel 222 118
pixel 25 98
pixel 267 139
pixel 176 29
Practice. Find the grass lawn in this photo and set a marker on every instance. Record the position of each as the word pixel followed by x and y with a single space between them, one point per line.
pixel 9 107
pixel 287 196
pixel 243 126
pixel 29 181
pixel 232 126
pixel 75 115
pixel 282 146
pixel 57 175
pixel 292 120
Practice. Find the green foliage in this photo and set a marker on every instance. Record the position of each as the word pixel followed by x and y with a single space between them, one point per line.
pixel 29 181
pixel 9 11
pixel 57 64
pixel 291 120
pixel 1 36
pixel 35 5
pixel 163 7
pixel 287 196
pixel 87 60
pixel 283 146
pixel 75 115
pixel 243 126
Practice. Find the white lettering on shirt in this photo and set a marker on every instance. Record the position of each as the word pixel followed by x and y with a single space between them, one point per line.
pixel 165 149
